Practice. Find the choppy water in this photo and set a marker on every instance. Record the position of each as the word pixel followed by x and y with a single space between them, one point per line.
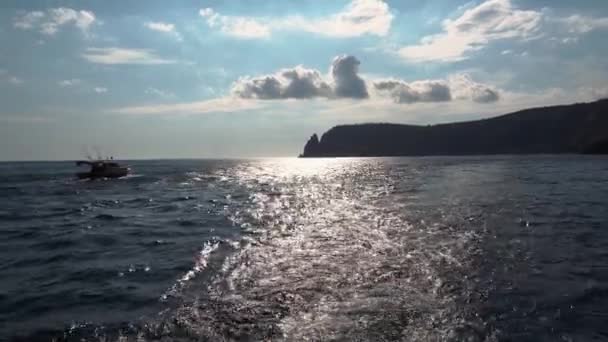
pixel 411 249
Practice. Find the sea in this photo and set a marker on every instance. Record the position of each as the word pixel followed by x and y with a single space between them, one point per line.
pixel 489 248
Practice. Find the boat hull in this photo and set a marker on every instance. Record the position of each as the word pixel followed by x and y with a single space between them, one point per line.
pixel 107 173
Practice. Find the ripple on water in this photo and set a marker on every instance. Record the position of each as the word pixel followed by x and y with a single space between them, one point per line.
pixel 325 265
pixel 423 249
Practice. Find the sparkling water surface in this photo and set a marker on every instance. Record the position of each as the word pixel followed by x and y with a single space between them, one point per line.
pixel 500 248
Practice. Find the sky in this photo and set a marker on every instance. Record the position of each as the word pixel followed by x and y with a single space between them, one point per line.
pixel 229 79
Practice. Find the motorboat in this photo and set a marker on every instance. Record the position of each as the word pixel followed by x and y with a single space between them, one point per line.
pixel 102 169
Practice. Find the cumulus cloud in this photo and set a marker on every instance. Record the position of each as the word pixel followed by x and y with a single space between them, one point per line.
pixel 303 83
pixel 51 20
pixel 360 17
pixel 100 90
pixel 476 27
pixel 344 81
pixel 113 55
pixel 463 87
pixel 457 87
pixel 295 83
pixel 419 91
pixel 344 70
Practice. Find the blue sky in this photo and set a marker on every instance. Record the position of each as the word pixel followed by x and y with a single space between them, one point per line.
pixel 256 78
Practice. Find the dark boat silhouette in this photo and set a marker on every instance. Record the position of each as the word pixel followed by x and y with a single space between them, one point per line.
pixel 102 169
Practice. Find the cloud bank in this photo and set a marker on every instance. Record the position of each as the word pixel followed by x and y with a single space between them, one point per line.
pixel 295 83
pixel 457 87
pixel 344 81
pixel 360 17
pixel 418 91
pixel 303 83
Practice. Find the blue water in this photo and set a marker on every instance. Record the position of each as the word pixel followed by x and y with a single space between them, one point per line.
pixel 425 249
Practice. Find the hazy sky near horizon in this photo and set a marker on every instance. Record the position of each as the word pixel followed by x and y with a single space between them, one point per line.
pixel 150 79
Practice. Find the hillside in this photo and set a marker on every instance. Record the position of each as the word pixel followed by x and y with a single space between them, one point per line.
pixel 577 128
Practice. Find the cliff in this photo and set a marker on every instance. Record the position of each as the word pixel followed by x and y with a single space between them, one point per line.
pixel 577 128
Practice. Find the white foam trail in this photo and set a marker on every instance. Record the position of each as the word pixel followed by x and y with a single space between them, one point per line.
pixel 199 265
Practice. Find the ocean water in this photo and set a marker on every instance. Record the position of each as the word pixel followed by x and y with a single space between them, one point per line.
pixel 501 248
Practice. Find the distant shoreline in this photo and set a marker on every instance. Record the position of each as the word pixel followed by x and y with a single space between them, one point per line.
pixel 568 129
pixel 320 157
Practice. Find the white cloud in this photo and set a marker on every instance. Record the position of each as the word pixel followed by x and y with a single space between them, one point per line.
pixel 114 55
pixel 418 91
pixel 160 26
pixel 570 40
pixel 164 28
pixel 29 20
pixel 345 74
pixel 303 83
pixel 74 82
pixel 159 93
pixel 343 85
pixel 424 113
pixel 463 87
pixel 456 87
pixel 69 83
pixel 475 28
pixel 219 105
pixel 377 109
pixel 344 81
pixel 51 20
pixel 295 83
pixel 494 20
pixel 578 24
pixel 360 17
pixel 239 27
pixel 598 93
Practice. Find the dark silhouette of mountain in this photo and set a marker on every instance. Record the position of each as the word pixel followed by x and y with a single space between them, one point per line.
pixel 599 147
pixel 577 128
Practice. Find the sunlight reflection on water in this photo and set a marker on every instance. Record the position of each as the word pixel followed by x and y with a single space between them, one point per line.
pixel 330 260
pixel 370 249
